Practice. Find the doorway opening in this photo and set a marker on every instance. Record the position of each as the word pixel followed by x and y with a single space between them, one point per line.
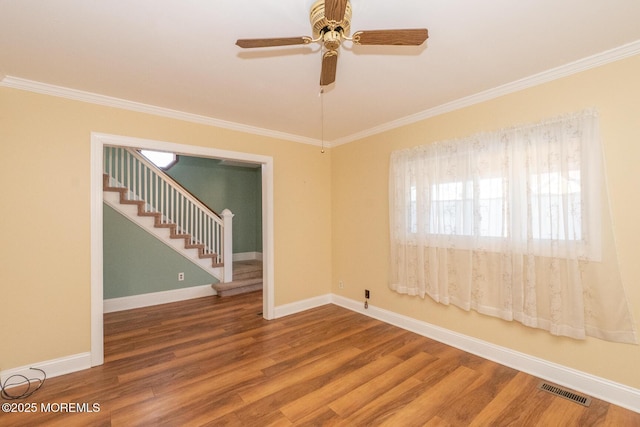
pixel 98 142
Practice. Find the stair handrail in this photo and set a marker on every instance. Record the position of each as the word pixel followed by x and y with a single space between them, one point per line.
pixel 138 182
pixel 172 182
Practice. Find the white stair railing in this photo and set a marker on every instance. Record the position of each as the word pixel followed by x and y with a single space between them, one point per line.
pixel 127 168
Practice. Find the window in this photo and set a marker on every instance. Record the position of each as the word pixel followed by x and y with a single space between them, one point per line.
pixel 554 197
pixel 556 206
pixel 161 159
pixel 523 189
pixel 509 224
pixel 453 205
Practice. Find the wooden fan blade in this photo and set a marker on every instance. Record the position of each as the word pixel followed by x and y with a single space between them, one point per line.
pixel 329 65
pixel 334 9
pixel 409 37
pixel 283 41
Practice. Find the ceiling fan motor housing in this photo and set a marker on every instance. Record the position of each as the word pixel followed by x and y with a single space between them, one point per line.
pixel 321 25
pixel 331 40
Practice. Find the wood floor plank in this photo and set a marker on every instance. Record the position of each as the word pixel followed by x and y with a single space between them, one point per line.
pixel 299 374
pixel 322 416
pixel 332 390
pixel 617 416
pixel 351 401
pixel 373 411
pixel 215 362
pixel 437 422
pixel 478 394
pixel 426 406
pixel 562 412
pixel 498 411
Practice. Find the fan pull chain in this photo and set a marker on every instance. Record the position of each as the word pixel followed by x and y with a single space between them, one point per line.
pixel 322 119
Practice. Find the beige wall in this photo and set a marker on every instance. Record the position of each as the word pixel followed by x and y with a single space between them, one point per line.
pixel 330 213
pixel 360 210
pixel 45 250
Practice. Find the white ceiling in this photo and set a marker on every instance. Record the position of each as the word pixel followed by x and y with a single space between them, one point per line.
pixel 181 55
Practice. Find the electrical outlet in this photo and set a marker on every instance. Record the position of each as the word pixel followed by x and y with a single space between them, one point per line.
pixel 180 277
pixel 340 285
pixel 367 294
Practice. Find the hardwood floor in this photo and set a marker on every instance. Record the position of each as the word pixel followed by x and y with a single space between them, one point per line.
pixel 215 361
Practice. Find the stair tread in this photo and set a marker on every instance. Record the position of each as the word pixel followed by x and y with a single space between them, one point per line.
pixel 247 269
pixel 165 225
pixel 173 231
pixel 247 266
pixel 208 256
pixel 237 287
pixel 180 236
pixel 242 269
pixel 236 284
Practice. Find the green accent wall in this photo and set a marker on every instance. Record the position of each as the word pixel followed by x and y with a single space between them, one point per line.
pixel 220 187
pixel 136 262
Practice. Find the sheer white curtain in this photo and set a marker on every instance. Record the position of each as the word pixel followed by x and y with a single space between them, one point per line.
pixel 513 224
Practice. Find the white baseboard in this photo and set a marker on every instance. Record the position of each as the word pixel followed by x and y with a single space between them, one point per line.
pixel 145 300
pixel 299 306
pixel 600 388
pixel 78 362
pixel 247 256
pixel 53 368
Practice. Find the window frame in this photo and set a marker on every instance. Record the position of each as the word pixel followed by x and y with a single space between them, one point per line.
pixel 572 239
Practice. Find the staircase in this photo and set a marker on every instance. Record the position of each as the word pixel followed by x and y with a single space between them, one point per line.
pixel 247 278
pixel 141 211
pixel 150 198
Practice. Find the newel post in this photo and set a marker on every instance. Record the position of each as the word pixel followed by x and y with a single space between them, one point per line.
pixel 227 245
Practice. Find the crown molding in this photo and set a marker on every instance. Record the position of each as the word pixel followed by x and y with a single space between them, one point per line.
pixel 108 101
pixel 584 64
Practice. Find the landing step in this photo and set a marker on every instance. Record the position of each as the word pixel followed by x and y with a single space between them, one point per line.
pixel 237 287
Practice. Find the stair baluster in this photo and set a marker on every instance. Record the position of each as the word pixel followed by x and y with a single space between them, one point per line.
pixel 157 195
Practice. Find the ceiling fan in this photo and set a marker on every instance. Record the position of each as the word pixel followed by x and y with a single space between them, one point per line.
pixel 331 23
